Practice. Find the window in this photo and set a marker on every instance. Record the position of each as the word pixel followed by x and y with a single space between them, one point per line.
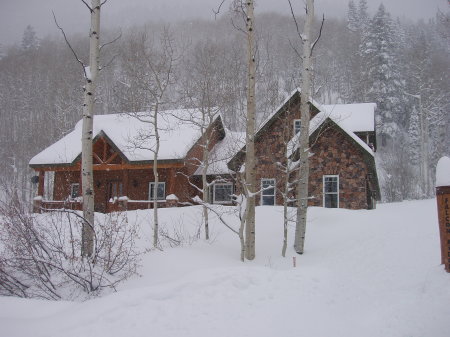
pixel 297 126
pixel 115 189
pixel 222 193
pixel 268 192
pixel 74 190
pixel 161 191
pixel 331 191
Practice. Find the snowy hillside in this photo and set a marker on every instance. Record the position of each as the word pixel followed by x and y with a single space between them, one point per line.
pixel 364 273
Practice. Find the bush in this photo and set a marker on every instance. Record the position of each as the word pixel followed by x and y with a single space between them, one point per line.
pixel 40 254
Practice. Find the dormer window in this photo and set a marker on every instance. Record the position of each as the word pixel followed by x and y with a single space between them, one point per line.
pixel 297 126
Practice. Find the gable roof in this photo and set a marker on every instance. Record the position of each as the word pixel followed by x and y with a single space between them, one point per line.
pixel 222 152
pixel 290 101
pixel 350 118
pixel 126 132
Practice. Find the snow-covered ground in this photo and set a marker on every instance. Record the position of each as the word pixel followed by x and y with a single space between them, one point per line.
pixel 364 273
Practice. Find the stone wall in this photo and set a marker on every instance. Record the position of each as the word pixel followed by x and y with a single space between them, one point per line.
pixel 334 153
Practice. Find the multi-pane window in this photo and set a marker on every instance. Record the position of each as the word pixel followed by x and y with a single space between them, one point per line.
pixel 267 191
pixel 160 193
pixel 331 191
pixel 223 193
pixel 74 191
pixel 297 126
pixel 115 189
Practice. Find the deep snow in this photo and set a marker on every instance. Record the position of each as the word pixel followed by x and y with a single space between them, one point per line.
pixel 364 273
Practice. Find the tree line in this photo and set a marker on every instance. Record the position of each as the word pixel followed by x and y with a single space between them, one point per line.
pixel 399 65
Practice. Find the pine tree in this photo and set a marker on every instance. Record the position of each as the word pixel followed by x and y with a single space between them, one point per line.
pixel 381 73
pixel 352 17
pixel 414 136
pixel 30 40
pixel 363 16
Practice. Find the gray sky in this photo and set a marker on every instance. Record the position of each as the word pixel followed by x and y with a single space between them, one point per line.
pixel 15 15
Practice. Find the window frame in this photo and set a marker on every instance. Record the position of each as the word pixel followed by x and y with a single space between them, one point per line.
pixel 71 190
pixel 150 189
pixel 334 193
pixel 295 128
pixel 222 201
pixel 274 195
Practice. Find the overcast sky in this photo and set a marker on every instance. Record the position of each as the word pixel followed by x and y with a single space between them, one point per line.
pixel 15 15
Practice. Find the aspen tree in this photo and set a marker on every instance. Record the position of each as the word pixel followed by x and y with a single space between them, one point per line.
pixel 303 172
pixel 250 179
pixel 87 173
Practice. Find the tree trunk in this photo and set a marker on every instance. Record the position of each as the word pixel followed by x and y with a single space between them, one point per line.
pixel 250 179
pixel 204 173
pixel 155 174
pixel 303 172
pixel 87 176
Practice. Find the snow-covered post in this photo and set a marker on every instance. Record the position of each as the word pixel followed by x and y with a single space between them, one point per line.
pixel 443 205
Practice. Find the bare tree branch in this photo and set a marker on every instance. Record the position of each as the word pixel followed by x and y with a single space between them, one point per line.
pixel 111 42
pixel 295 49
pixel 295 21
pixel 108 63
pixel 90 8
pixel 216 12
pixel 320 34
pixel 69 45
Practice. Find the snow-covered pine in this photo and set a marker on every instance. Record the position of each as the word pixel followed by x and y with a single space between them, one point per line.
pixel 382 74
pixel 30 40
pixel 352 17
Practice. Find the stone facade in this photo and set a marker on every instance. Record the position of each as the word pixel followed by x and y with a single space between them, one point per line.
pixel 334 153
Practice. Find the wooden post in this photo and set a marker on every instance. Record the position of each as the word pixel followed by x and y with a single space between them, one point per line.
pixel 41 183
pixel 443 205
pixel 125 182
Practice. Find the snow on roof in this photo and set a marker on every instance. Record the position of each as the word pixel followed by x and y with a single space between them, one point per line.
pixel 126 132
pixel 222 152
pixel 349 117
pixel 443 172
pixel 295 91
pixel 359 117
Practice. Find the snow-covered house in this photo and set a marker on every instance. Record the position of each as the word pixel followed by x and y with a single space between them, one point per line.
pixel 342 145
pixel 342 166
pixel 123 153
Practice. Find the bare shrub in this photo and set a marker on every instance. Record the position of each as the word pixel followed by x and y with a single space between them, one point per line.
pixel 40 254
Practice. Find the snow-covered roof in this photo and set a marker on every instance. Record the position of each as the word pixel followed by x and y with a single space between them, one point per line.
pixel 349 117
pixel 222 152
pixel 359 117
pixel 126 131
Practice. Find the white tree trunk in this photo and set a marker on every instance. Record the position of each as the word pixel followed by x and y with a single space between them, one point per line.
pixel 205 170
pixel 87 173
pixel 250 179
pixel 155 174
pixel 303 172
